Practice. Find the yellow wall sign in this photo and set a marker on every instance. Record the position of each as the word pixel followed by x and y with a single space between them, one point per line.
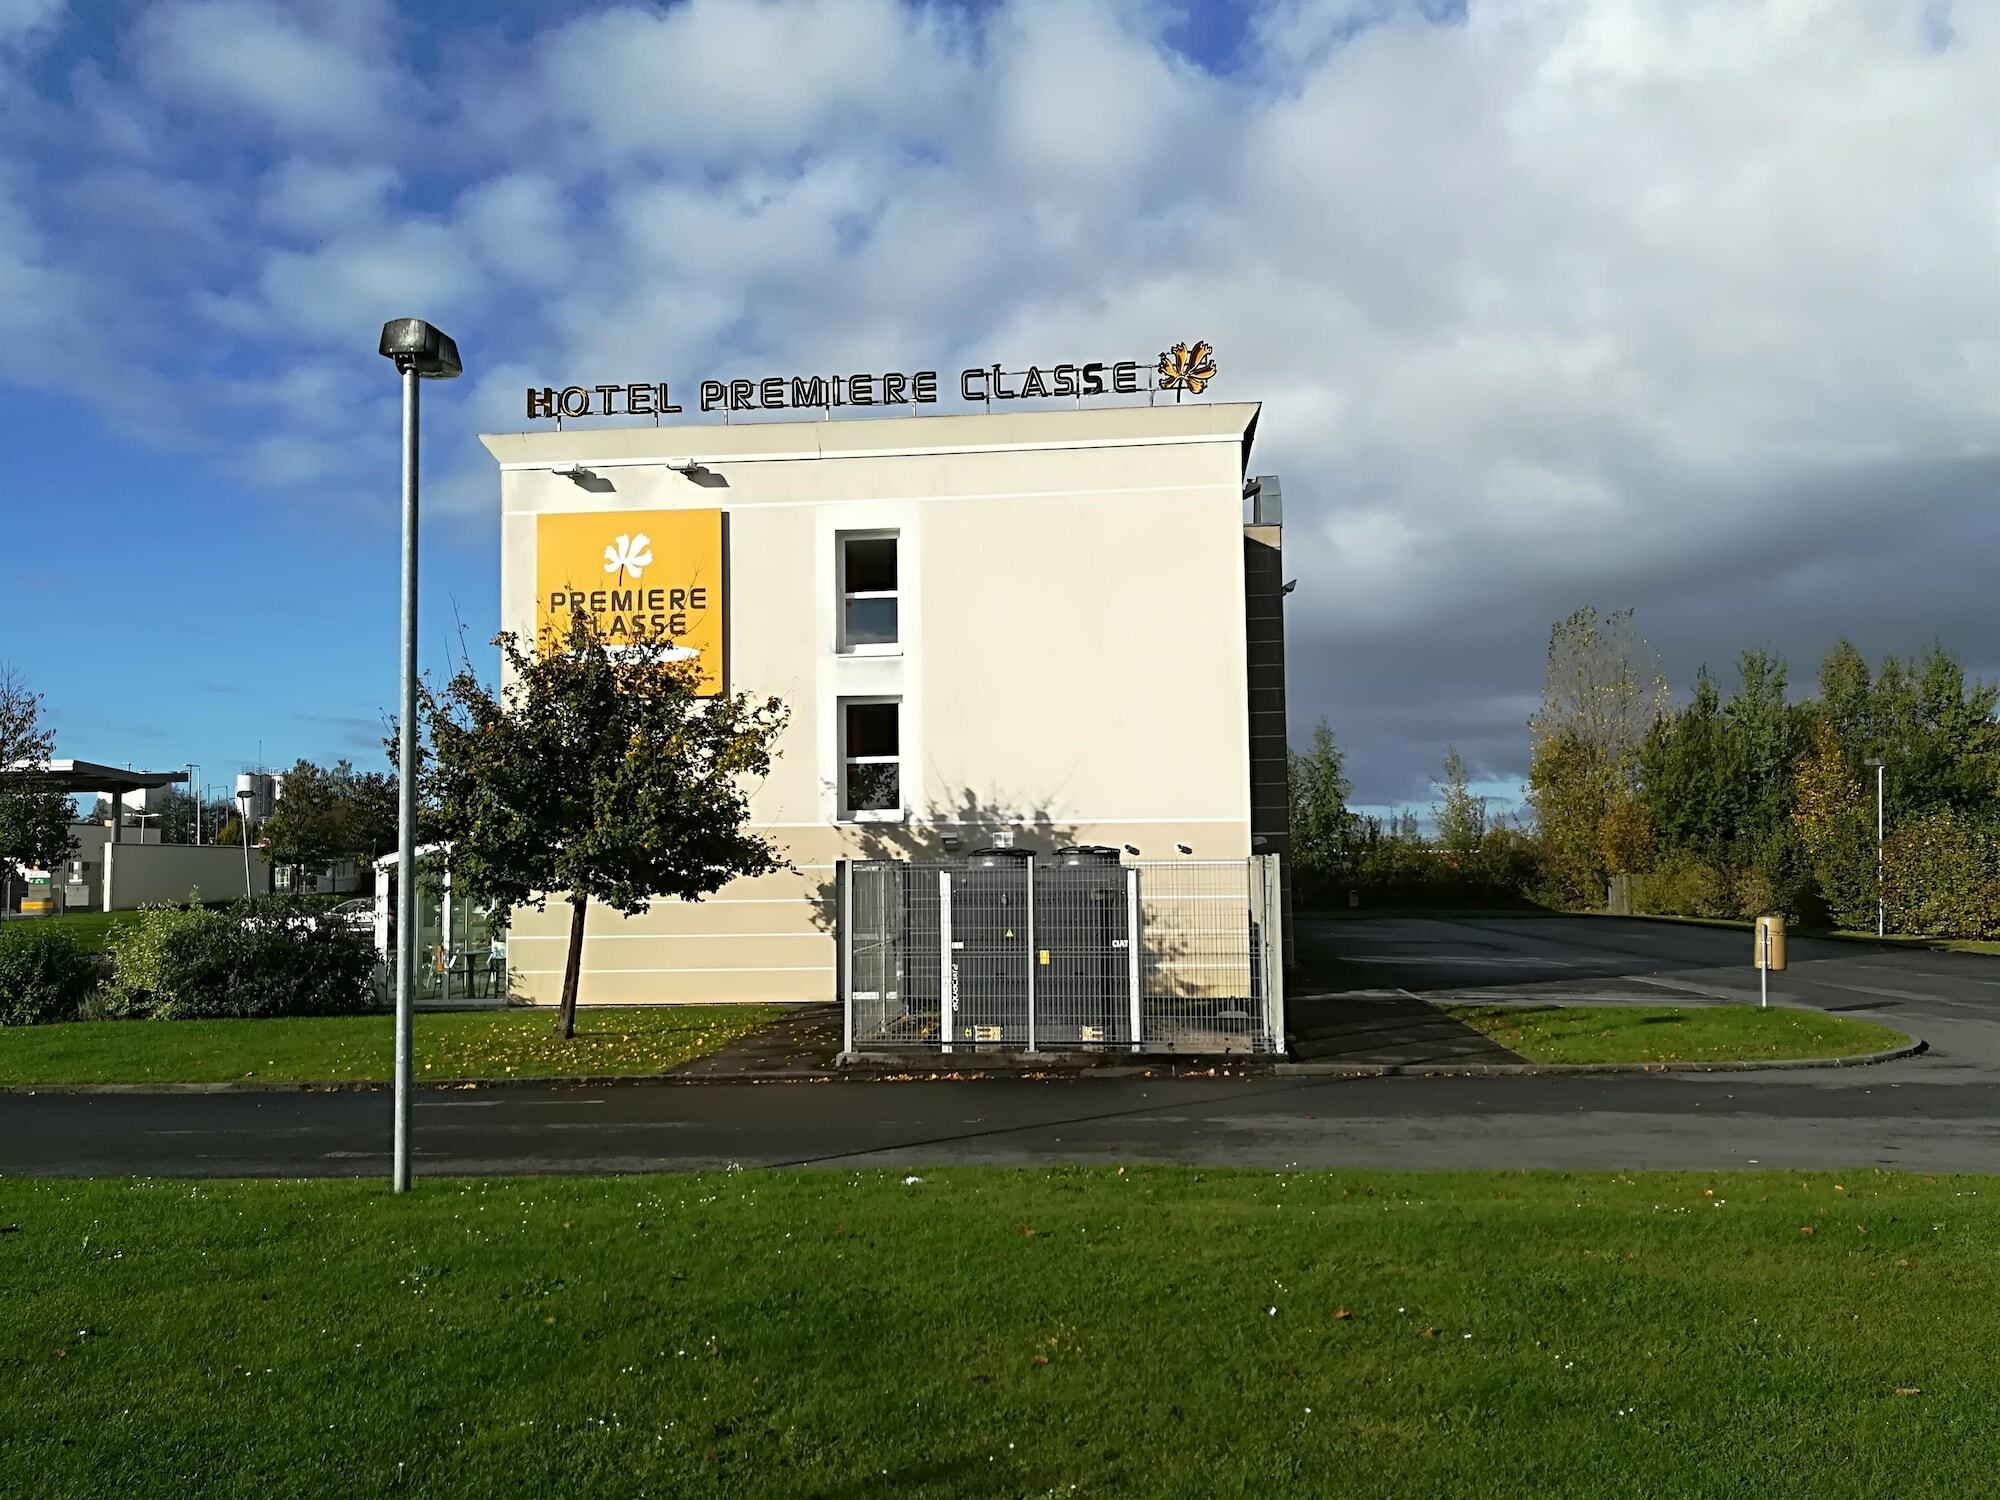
pixel 641 575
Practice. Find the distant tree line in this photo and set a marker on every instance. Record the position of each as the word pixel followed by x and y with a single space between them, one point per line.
pixel 1727 806
pixel 1477 857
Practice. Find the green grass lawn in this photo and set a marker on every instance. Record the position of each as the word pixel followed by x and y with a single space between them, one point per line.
pixel 515 1043
pixel 93 929
pixel 991 1332
pixel 1653 1034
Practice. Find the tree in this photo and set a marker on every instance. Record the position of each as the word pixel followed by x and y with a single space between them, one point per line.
pixel 177 817
pixel 1322 827
pixel 35 815
pixel 1604 696
pixel 1835 819
pixel 1846 695
pixel 1688 785
pixel 596 773
pixel 1460 816
pixel 327 815
pixel 1762 730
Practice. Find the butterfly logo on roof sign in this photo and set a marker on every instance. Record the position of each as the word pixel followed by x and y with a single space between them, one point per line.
pixel 1187 369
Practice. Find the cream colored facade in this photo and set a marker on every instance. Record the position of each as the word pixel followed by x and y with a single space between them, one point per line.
pixel 1070 657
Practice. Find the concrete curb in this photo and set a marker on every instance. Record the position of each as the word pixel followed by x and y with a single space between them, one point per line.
pixel 1512 1070
pixel 1038 1072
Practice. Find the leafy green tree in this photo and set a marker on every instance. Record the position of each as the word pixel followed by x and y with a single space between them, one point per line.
pixel 1689 784
pixel 596 773
pixel 1835 821
pixel 1846 696
pixel 1762 729
pixel 35 815
pixel 326 815
pixel 1460 816
pixel 1603 697
pixel 1937 734
pixel 177 817
pixel 1322 827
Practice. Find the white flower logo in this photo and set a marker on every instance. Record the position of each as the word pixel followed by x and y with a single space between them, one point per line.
pixel 629 554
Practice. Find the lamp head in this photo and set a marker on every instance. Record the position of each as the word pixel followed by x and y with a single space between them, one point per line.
pixel 1874 760
pixel 416 345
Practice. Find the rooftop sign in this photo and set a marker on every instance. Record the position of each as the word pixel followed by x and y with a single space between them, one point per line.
pixel 1184 369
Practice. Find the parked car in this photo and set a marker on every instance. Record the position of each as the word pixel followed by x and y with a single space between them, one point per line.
pixel 358 914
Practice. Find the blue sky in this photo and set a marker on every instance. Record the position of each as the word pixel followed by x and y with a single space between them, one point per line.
pixel 1683 304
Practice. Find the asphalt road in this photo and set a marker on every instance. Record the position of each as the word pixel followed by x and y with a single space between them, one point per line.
pixel 1935 1112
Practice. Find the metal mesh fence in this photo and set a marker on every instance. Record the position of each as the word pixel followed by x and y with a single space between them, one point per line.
pixel 1078 950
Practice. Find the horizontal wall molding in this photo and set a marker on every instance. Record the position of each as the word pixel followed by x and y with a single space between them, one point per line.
pixel 713 458
pixel 707 501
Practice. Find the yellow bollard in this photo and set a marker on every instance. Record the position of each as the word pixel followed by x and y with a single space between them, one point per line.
pixel 1770 952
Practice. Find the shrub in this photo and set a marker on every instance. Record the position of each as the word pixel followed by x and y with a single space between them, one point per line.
pixel 45 975
pixel 258 962
pixel 136 947
pixel 1684 888
pixel 1943 877
pixel 1757 895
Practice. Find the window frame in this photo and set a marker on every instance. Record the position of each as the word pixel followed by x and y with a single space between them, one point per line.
pixel 843 596
pixel 848 814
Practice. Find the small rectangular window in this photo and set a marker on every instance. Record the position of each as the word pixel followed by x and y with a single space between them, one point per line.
pixel 871 765
pixel 868 594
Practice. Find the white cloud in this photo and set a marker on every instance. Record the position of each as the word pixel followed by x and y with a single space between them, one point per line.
pixel 264 61
pixel 315 198
pixel 1577 301
pixel 411 268
pixel 711 78
pixel 27 23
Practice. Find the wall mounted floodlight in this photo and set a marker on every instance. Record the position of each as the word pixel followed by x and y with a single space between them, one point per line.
pixel 416 345
pixel 687 466
pixel 1289 586
pixel 572 471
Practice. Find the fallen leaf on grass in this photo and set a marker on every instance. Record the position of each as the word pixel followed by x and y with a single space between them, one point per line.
pixel 1342 1315
pixel 1039 1360
pixel 1909 1390
pixel 1805 1229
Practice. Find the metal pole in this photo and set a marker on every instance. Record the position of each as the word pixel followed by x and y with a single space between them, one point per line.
pixel 406 792
pixel 947 970
pixel 1033 956
pixel 243 822
pixel 845 939
pixel 1132 953
pixel 1881 866
pixel 1763 966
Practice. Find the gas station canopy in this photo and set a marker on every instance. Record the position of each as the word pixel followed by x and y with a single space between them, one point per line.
pixel 89 776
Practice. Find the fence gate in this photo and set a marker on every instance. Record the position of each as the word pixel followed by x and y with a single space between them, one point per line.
pixel 1076 951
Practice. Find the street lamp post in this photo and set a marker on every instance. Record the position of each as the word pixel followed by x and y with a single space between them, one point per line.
pixel 420 352
pixel 1881 867
pixel 243 799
